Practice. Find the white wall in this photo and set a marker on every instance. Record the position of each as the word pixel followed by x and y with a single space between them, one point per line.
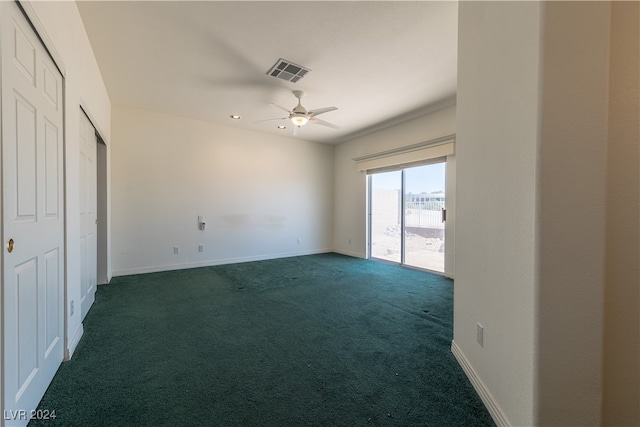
pixel 350 185
pixel 496 185
pixel 62 29
pixel 531 155
pixel 258 193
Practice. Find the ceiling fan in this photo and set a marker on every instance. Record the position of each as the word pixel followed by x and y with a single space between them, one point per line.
pixel 300 116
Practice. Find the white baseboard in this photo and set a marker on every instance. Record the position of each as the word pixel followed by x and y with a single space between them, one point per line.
pixel 487 398
pixel 210 263
pixel 351 254
pixel 74 342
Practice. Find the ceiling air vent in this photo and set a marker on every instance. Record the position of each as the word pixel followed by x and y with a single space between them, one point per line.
pixel 287 70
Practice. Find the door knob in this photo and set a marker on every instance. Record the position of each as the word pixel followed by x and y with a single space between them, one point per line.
pixel 10 245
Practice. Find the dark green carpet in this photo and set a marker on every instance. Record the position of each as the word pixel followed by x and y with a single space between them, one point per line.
pixel 322 340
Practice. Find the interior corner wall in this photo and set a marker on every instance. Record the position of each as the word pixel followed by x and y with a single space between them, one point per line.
pixel 262 196
pixel 496 156
pixel 350 198
pixel 622 293
pixel 531 153
pixel 83 87
pixel 571 215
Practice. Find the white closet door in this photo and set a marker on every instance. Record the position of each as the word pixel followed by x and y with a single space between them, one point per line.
pixel 88 216
pixel 32 216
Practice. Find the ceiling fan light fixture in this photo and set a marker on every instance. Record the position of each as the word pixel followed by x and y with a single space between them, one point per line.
pixel 299 119
pixel 299 116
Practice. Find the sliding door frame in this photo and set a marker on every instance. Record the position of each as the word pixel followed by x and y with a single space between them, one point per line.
pixel 402 209
pixel 403 221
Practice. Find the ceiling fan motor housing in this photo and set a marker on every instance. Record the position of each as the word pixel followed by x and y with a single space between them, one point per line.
pixel 299 109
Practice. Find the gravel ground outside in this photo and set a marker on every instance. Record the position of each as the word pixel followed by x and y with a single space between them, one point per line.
pixel 422 252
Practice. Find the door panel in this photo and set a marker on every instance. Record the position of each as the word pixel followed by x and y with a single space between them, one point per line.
pixel 33 271
pixel 24 54
pixel 53 175
pixel 88 213
pixel 51 86
pixel 26 279
pixel 25 149
pixel 52 261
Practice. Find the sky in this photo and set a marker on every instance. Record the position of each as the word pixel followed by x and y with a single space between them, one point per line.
pixel 428 179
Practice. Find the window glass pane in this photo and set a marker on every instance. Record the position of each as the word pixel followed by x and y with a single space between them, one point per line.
pixel 424 230
pixel 386 215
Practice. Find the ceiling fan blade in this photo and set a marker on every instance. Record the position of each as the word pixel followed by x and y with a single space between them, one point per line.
pixel 319 111
pixel 317 121
pixel 269 120
pixel 282 108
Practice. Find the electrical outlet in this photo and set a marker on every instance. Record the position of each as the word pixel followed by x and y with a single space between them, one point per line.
pixel 176 250
pixel 200 248
pixel 299 240
pixel 480 334
pixel 71 308
pixel 349 241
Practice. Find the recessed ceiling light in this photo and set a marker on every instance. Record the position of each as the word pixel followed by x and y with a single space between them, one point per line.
pixel 235 117
pixel 282 127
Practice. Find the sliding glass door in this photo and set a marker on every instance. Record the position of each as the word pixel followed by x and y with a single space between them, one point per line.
pixel 406 216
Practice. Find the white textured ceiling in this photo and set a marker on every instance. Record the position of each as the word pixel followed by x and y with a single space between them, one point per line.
pixel 379 62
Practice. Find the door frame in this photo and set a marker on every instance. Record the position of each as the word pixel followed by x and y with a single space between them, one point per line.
pixel 102 211
pixel 102 198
